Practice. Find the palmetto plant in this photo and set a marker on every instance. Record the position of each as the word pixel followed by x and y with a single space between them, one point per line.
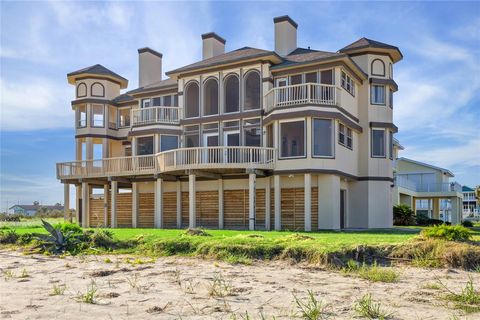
pixel 56 242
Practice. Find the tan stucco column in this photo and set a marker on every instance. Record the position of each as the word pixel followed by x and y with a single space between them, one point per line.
pixel 278 202
pixel 267 203
pixel 252 180
pixel 179 204
pixel 436 208
pixel 113 204
pixel 220 204
pixel 66 202
pixel 85 201
pixel 135 203
pixel 192 214
pixel 158 204
pixel 308 201
pixel 105 205
pixel 328 202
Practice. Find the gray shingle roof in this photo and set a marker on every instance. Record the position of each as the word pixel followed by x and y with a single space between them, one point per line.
pixel 97 69
pixel 232 56
pixel 301 55
pixel 123 98
pixel 363 43
pixel 155 86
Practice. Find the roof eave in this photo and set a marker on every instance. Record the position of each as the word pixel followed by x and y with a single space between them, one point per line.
pixel 73 77
pixel 393 52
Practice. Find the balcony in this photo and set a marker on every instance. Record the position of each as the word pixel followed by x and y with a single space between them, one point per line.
pixel 300 94
pixel 216 158
pixel 155 115
pixel 428 187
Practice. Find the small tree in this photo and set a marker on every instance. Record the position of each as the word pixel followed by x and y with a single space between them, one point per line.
pixel 403 215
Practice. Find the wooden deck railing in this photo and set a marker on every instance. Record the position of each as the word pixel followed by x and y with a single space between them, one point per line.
pixel 177 159
pixel 313 93
pixel 152 115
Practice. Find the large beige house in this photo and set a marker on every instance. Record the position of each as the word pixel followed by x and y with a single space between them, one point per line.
pixel 291 138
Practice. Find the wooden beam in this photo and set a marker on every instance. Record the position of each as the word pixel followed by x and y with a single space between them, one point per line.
pixel 258 173
pixel 204 174
pixel 165 177
pixel 119 179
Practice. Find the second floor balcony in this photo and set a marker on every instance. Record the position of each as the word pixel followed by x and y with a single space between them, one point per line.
pixel 428 187
pixel 156 115
pixel 300 94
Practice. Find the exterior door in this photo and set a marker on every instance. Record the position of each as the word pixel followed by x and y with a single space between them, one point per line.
pixel 343 200
pixel 231 139
pixel 210 155
pixel 282 94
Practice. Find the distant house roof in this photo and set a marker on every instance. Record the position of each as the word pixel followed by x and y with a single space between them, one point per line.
pixel 443 170
pixel 244 53
pixel 163 84
pixel 365 44
pixel 99 70
pixel 36 207
pixel 467 189
pixel 397 144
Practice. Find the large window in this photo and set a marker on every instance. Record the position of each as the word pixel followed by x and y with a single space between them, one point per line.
pixel 252 132
pixel 322 138
pixel 347 83
pixel 232 94
pixel 192 100
pixel 168 142
pixel 145 145
pixel 378 143
pixel 210 97
pixel 191 134
pixel 292 136
pixel 124 118
pixel 81 116
pixel 97 115
pixel 252 91
pixel 377 94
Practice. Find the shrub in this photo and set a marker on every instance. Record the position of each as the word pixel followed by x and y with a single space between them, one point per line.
pixel 8 237
pixel 67 226
pixel 467 224
pixel 450 233
pixel 102 238
pixel 56 241
pixel 403 215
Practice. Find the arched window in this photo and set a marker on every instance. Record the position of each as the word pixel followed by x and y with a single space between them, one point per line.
pixel 232 94
pixel 252 91
pixel 210 97
pixel 378 68
pixel 97 90
pixel 192 100
pixel 81 90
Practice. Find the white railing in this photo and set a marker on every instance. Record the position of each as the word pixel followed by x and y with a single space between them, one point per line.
pixel 109 166
pixel 217 158
pixel 177 159
pixel 152 115
pixel 307 93
pixel 428 187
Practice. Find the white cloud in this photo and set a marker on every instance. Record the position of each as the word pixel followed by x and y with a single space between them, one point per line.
pixel 34 103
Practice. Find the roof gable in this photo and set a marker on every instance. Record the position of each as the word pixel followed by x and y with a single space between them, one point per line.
pixel 443 170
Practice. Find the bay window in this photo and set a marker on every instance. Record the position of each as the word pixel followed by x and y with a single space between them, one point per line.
pixel 144 145
pixel 322 138
pixel 168 142
pixel 347 83
pixel 345 137
pixel 81 116
pixel 97 115
pixel 378 143
pixel 292 135
pixel 377 94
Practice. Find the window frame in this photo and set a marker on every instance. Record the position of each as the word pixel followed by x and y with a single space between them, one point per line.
pixel 225 79
pixel 92 115
pixel 349 138
pixel 345 80
pixel 384 156
pixel 390 145
pixel 86 90
pixel 119 112
pixel 244 89
pixel 372 86
pixel 95 95
pixel 185 102
pixel 168 135
pixel 203 97
pixel 332 138
pixel 137 144
pixel 279 135
pixel 252 126
pixel 378 74
pixel 78 122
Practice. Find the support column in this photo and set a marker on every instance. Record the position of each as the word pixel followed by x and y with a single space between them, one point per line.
pixel 89 148
pixel 85 201
pixel 455 218
pixel 329 201
pixel 158 217
pixel 220 204
pixel 436 208
pixel 135 202
pixel 113 204
pixel 252 179
pixel 179 204
pixel 267 203
pixel 278 201
pixel 308 201
pixel 78 200
pixel 66 202
pixel 105 205
pixel 105 148
pixel 192 215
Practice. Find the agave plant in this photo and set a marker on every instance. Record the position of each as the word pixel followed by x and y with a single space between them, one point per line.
pixel 56 242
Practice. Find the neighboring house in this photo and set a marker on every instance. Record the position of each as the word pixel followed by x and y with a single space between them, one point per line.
pixel 31 209
pixel 470 204
pixel 428 190
pixel 294 138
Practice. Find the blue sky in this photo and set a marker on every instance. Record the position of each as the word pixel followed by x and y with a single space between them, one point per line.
pixel 437 108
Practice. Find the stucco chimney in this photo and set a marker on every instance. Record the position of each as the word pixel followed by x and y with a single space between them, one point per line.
pixel 285 35
pixel 149 66
pixel 213 45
